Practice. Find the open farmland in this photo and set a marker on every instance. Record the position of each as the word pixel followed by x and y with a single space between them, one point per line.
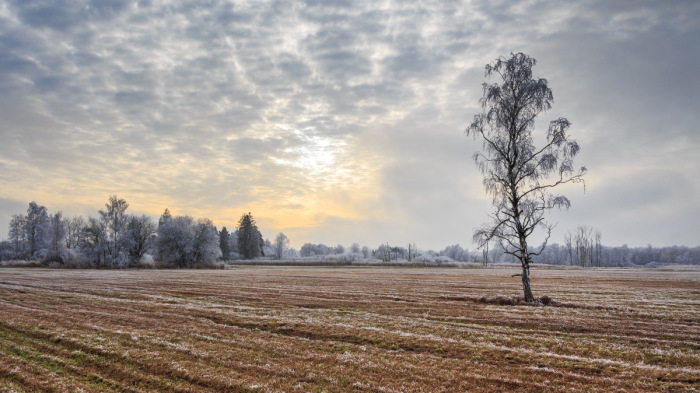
pixel 305 329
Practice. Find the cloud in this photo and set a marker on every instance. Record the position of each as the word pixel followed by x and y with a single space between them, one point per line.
pixel 335 120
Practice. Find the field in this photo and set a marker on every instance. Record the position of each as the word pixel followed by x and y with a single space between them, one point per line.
pixel 313 329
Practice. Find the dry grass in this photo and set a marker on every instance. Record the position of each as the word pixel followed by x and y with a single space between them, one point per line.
pixel 314 329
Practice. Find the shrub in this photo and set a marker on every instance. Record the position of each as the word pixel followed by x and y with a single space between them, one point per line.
pixel 546 300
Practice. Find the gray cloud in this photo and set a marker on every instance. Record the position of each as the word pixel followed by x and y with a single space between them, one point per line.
pixel 341 118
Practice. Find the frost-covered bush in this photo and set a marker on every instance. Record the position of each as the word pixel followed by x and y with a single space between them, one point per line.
pixel 146 262
pixel 425 258
pixel 441 259
pixel 340 258
pixel 291 253
pixel 6 252
pixel 74 260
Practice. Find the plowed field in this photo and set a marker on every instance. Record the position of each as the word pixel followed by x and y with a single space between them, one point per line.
pixel 347 329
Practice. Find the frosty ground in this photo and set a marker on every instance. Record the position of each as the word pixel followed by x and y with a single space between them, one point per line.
pixel 316 329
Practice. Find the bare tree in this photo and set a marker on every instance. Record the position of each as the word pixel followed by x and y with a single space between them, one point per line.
pixel 74 231
pixel 18 236
pixel 516 172
pixel 366 252
pixel 175 240
pixel 205 245
pixel 281 245
pixel 485 255
pixel 57 238
pixel 412 251
pixel 383 252
pixel 36 227
pixel 598 249
pixel 139 237
pixel 587 250
pixel 93 245
pixel 115 220
pixel 583 244
pixel 568 243
pixel 184 242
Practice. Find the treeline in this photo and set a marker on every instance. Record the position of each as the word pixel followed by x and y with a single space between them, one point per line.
pixel 622 256
pixel 583 247
pixel 116 239
pixel 387 253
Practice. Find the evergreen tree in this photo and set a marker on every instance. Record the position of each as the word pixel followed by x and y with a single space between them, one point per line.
pixel 250 241
pixel 165 217
pixel 224 244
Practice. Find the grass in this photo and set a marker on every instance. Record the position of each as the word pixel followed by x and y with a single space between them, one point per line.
pixel 320 329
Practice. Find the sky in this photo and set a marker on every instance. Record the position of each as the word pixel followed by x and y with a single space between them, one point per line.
pixel 343 121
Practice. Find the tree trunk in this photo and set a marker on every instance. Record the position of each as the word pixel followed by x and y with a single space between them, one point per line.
pixel 522 237
pixel 527 292
pixel 524 259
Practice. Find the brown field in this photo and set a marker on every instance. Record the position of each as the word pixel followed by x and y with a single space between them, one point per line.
pixel 312 329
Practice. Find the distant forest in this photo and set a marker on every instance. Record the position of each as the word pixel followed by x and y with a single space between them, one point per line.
pixel 116 239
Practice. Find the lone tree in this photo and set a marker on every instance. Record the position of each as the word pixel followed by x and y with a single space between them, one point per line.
pixel 518 175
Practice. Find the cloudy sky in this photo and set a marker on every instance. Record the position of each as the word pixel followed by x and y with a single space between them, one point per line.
pixel 342 121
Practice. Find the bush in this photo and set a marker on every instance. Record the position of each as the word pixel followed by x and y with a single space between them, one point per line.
pixel 22 263
pixel 503 300
pixel 146 262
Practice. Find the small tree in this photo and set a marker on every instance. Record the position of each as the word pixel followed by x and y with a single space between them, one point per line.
pixel 516 172
pixel 165 218
pixel 281 245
